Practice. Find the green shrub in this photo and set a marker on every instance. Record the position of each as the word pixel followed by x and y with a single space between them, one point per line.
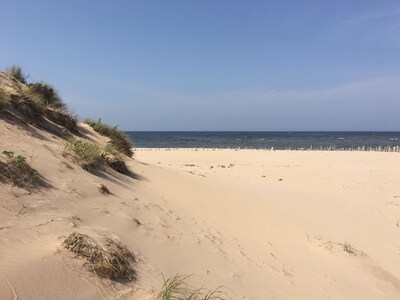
pixel 46 94
pixel 117 138
pixel 17 72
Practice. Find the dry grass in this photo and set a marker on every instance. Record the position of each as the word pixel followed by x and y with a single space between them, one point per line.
pixel 118 139
pixel 347 247
pixel 103 189
pixel 176 288
pixel 16 171
pixel 110 260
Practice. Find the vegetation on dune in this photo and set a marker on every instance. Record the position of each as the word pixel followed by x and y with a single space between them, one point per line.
pixel 88 155
pixel 46 94
pixel 55 109
pixel 115 160
pixel 118 139
pixel 17 73
pixel 37 100
pixel 64 119
pixel 4 99
pixel 176 288
pixel 91 156
pixel 17 171
pixel 30 108
pixel 111 260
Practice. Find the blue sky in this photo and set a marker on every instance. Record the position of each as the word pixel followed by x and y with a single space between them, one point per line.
pixel 214 65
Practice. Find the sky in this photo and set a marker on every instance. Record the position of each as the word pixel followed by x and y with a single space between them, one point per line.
pixel 213 64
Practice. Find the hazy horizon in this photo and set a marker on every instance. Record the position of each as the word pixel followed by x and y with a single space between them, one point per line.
pixel 214 65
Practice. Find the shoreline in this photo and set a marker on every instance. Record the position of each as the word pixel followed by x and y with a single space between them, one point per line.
pixel 395 149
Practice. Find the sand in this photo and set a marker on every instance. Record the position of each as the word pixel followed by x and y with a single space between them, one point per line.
pixel 265 224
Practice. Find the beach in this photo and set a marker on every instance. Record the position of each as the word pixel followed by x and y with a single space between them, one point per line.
pixel 287 224
pixel 261 224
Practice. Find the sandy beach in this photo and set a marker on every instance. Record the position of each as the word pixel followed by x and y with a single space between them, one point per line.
pixel 200 150
pixel 263 224
pixel 287 224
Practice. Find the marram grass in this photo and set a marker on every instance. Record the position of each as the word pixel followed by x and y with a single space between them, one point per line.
pixel 176 288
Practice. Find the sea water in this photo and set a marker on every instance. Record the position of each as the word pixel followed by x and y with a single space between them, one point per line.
pixel 264 139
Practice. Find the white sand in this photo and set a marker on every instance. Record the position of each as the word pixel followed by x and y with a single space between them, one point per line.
pixel 239 226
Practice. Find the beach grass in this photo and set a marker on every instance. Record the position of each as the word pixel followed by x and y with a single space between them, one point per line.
pixel 92 156
pixel 17 73
pixel 45 93
pixel 87 154
pixel 17 171
pixel 177 288
pixel 110 260
pixel 118 139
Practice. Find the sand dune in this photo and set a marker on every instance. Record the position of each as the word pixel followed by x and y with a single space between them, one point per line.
pixel 265 224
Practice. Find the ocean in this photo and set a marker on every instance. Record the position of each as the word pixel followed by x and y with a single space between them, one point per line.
pixel 264 139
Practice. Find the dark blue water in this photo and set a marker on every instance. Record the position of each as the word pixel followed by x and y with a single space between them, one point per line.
pixel 261 140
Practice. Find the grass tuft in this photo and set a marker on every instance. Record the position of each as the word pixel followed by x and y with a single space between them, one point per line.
pixel 18 73
pixel 54 108
pixel 176 288
pixel 115 160
pixel 46 94
pixel 103 189
pixel 111 260
pixel 347 247
pixel 62 118
pixel 88 155
pixel 118 139
pixel 29 107
pixel 17 171
pixel 91 156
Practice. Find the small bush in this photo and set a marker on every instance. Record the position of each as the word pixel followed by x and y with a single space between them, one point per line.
pixel 17 72
pixel 17 171
pixel 117 138
pixel 89 156
pixel 111 260
pixel 176 288
pixel 46 94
